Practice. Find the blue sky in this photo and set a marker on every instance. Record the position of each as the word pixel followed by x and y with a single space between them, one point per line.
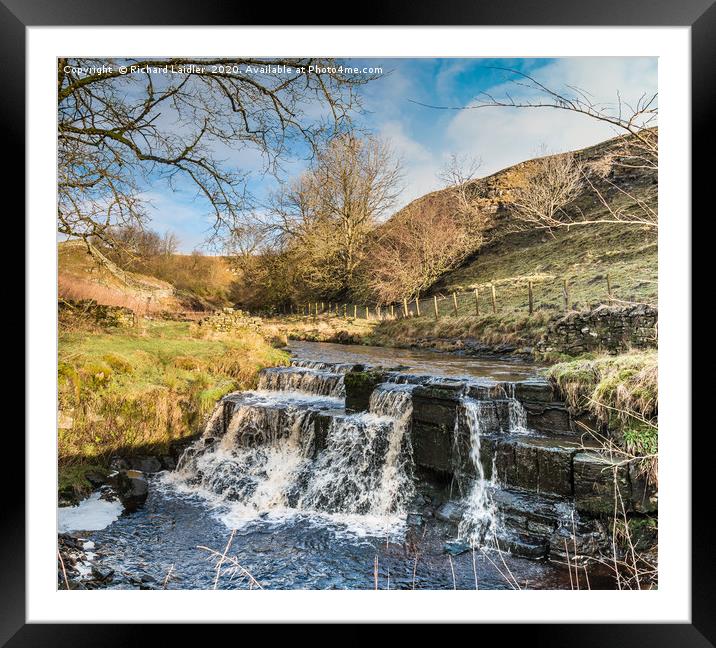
pixel 424 138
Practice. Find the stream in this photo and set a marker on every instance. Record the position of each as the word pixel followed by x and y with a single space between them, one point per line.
pixel 299 493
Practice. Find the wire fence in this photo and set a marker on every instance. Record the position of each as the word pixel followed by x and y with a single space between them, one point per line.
pixel 553 294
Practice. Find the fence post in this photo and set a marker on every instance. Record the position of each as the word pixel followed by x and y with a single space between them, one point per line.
pixel 367 312
pixel 355 311
pixel 477 302
pixel 454 302
pixel 609 287
pixel 565 291
pixel 345 311
pixel 406 313
pixel 529 290
pixel 494 299
pixel 435 306
pixel 392 311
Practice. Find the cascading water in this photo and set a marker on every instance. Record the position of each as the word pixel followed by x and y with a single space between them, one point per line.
pixel 303 379
pixel 269 457
pixel 320 497
pixel 480 522
pixel 366 466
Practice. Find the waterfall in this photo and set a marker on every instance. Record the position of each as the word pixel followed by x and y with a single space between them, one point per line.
pixel 479 521
pixel 304 379
pixel 340 368
pixel 517 413
pixel 366 467
pixel 268 458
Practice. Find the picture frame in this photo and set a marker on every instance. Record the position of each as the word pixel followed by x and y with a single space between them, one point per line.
pixel 699 15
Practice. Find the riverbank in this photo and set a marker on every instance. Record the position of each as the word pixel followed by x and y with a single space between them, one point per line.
pixel 364 467
pixel 131 391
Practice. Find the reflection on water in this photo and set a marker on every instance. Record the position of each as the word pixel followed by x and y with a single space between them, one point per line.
pixel 414 361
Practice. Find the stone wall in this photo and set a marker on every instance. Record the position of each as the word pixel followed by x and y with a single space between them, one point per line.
pixel 607 328
pixel 99 314
pixel 229 320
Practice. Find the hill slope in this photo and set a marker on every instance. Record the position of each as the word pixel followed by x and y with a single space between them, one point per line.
pixel 82 276
pixel 585 256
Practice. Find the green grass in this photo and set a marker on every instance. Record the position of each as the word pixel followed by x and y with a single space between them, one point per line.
pixel 134 391
pixel 614 388
pixel 623 393
pixel 583 255
pixel 514 328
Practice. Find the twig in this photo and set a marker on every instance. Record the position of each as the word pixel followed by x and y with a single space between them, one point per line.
pixel 492 562
pixel 168 576
pixel 64 573
pixel 569 565
pixel 223 557
pixel 502 558
pixel 236 566
pixel 474 565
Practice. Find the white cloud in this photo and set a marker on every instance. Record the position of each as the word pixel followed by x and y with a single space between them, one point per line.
pixel 505 136
pixel 420 166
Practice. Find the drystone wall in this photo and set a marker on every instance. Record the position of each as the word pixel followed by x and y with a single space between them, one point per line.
pixel 607 328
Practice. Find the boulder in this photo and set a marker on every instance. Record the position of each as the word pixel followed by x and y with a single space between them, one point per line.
pixel 450 512
pixel 548 417
pixel 644 493
pixel 435 408
pixel 145 464
pixel 131 487
pixel 533 390
pixel 359 385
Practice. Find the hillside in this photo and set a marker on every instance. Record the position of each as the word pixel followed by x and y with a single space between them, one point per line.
pixel 583 255
pixel 166 283
pixel 83 276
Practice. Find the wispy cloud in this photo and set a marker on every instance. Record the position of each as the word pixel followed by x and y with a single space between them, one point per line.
pixel 425 137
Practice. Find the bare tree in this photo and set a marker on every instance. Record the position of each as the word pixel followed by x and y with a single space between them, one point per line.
pixel 330 211
pixel 459 175
pixel 413 250
pixel 553 183
pixel 124 122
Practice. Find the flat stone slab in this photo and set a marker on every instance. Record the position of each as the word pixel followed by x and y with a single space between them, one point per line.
pixel 538 464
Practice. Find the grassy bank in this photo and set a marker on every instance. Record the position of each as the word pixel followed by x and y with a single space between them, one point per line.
pixel 126 391
pixel 521 331
pixel 622 392
pixel 583 256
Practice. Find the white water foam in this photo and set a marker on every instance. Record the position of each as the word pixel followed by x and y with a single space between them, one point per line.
pixel 266 465
pixel 92 514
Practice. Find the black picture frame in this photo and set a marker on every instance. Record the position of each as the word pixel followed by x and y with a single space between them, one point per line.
pixel 700 15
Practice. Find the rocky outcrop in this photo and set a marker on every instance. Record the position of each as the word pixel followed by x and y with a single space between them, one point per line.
pixel 607 328
pixel 359 385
